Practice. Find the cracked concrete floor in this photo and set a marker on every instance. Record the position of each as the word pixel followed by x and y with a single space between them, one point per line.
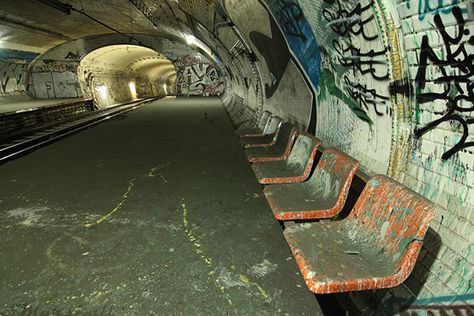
pixel 155 212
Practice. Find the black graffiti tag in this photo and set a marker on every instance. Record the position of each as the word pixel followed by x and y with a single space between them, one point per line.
pixel 347 24
pixel 353 23
pixel 366 97
pixel 457 69
pixel 363 62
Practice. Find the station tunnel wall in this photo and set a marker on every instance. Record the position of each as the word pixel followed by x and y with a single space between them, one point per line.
pixel 389 83
pixel 392 83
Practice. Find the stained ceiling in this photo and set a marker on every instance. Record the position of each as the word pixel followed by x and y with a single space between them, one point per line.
pixel 32 25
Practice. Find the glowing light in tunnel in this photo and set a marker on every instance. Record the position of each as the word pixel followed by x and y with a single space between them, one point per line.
pixel 165 88
pixel 102 91
pixel 133 90
pixel 191 40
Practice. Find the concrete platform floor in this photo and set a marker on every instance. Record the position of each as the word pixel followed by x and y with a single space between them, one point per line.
pixel 27 105
pixel 155 212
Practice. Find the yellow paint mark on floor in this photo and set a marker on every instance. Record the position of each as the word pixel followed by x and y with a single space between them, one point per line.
pixel 151 173
pixel 206 259
pixel 264 294
pixel 162 177
pixel 197 247
pixel 116 208
pixel 192 238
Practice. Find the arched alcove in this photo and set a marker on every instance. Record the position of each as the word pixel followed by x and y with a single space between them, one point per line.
pixel 120 73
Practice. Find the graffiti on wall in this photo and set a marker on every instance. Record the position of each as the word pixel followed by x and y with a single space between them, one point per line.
pixel 197 77
pixel 12 78
pixel 426 7
pixel 455 70
pixel 17 55
pixel 347 33
pixel 51 85
pixel 358 59
pixel 57 78
pixel 54 65
pixel 74 56
pixel 353 75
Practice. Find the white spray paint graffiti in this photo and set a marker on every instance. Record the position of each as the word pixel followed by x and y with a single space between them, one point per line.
pixel 12 78
pixel 56 78
pixel 197 77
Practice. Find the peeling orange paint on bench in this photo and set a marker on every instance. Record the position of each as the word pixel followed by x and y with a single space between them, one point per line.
pixel 375 247
pixel 278 151
pixel 322 196
pixel 270 135
pixel 295 169
pixel 258 130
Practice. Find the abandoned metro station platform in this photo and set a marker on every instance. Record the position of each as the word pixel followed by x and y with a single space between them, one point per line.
pixel 178 224
pixel 219 157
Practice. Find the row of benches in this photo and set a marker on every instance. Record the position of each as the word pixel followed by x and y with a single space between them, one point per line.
pixel 374 247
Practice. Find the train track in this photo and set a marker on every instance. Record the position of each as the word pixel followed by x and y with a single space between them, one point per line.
pixel 29 141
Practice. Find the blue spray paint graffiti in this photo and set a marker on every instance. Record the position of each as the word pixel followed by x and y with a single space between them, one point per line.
pixel 424 7
pixel 16 54
pixel 299 36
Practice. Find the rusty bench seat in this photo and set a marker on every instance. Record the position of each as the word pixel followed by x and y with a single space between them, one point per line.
pixel 375 247
pixel 279 150
pixel 322 196
pixel 257 130
pixel 296 168
pixel 269 137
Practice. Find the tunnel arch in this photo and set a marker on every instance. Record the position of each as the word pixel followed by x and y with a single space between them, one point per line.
pixel 58 66
pixel 120 73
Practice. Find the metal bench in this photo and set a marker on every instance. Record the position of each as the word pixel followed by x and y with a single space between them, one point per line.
pixel 375 247
pixel 269 137
pixel 257 130
pixel 322 196
pixel 278 151
pixel 296 168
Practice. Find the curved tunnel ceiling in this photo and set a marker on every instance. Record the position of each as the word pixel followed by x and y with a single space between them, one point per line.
pixel 34 25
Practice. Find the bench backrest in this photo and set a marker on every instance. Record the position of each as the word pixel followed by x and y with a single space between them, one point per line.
pixel 302 151
pixel 264 120
pixel 273 125
pixel 333 175
pixel 286 137
pixel 392 213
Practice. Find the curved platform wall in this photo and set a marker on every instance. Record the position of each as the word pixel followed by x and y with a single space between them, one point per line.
pixel 392 82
